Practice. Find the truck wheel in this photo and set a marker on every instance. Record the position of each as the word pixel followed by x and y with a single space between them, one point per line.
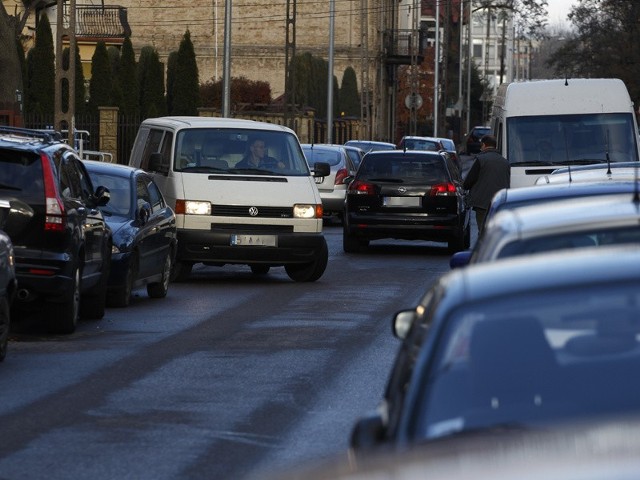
pixel 309 272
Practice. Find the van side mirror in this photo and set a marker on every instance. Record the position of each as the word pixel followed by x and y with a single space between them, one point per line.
pixel 321 169
pixel 156 163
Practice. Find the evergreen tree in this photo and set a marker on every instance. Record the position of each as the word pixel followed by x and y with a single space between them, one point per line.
pixel 127 79
pixel 114 64
pixel 349 99
pixel 151 84
pixel 41 71
pixel 80 89
pixel 186 88
pixel 172 65
pixel 100 86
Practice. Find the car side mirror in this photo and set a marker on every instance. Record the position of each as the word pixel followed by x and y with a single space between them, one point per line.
pixel 402 322
pixel 321 169
pixel 144 213
pixel 460 259
pixel 367 432
pixel 102 196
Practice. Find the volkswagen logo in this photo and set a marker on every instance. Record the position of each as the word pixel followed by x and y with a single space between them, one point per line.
pixel 402 190
pixel 253 211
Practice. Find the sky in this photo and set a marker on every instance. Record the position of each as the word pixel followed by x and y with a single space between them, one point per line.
pixel 558 10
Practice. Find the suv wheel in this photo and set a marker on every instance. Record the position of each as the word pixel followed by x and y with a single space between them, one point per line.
pixel 92 304
pixel 64 314
pixel 309 272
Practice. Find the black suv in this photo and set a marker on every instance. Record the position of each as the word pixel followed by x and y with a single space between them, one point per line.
pixel 61 241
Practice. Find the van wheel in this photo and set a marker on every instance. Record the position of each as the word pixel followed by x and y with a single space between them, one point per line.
pixel 181 271
pixel 260 269
pixel 310 272
pixel 64 315
pixel 160 289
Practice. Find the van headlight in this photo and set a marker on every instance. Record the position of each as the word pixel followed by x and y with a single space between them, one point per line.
pixel 192 207
pixel 306 211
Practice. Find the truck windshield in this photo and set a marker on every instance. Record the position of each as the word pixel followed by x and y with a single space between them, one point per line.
pixel 571 139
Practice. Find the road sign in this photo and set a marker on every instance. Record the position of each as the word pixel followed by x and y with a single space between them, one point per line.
pixel 413 100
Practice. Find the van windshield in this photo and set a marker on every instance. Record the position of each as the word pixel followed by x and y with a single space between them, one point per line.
pixel 239 152
pixel 571 139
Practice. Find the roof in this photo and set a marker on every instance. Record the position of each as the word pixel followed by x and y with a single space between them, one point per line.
pixel 179 122
pixel 590 175
pixel 112 168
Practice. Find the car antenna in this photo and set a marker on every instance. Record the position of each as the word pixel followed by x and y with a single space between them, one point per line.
pixel 566 151
pixel 607 154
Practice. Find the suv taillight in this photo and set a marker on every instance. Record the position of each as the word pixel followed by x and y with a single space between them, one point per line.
pixel 361 188
pixel 54 209
pixel 441 189
pixel 340 176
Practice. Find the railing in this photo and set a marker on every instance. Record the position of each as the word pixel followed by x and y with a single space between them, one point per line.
pixel 101 21
pixel 400 43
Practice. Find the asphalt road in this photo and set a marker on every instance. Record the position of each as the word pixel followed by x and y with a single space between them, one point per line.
pixel 231 376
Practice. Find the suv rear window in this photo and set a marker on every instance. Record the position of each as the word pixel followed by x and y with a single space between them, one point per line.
pixel 21 172
pixel 412 168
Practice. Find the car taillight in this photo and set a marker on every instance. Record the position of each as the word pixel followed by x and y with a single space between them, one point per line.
pixel 54 208
pixel 362 188
pixel 340 176
pixel 443 189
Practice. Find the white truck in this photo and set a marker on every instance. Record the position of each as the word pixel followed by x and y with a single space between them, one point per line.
pixel 542 125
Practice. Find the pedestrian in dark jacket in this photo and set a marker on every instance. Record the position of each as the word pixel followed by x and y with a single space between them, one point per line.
pixel 489 173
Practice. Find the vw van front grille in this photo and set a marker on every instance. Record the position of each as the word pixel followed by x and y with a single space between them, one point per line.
pixel 251 211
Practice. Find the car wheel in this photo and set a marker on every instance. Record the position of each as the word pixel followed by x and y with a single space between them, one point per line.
pixel 64 314
pixel 351 244
pixel 160 289
pixel 458 242
pixel 181 271
pixel 93 304
pixel 121 296
pixel 309 272
pixel 5 325
pixel 260 269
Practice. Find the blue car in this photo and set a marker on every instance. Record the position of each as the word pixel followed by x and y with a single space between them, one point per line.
pixel 143 228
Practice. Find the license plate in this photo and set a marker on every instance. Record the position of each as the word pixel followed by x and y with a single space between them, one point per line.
pixel 402 201
pixel 255 240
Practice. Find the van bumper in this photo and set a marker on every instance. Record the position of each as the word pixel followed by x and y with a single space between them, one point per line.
pixel 199 246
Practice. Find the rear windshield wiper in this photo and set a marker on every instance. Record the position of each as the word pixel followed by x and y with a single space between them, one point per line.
pixel 385 179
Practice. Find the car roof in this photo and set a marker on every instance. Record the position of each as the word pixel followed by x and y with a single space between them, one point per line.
pixel 180 122
pixel 111 168
pixel 400 153
pixel 571 214
pixel 595 166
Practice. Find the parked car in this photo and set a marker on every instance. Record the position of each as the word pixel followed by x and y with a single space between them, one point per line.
pixel 333 187
pixel 472 140
pixel 412 195
pixel 144 232
pixel 356 154
pixel 371 145
pixel 61 241
pixel 413 142
pixel 570 223
pixel 513 198
pixel 8 282
pixel 522 343
pixel 450 147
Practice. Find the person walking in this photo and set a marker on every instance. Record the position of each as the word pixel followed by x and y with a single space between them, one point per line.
pixel 489 173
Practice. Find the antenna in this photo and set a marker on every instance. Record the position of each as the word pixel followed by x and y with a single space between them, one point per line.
pixel 566 149
pixel 607 152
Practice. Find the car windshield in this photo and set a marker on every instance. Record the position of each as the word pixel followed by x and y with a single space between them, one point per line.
pixel 315 154
pixel 239 151
pixel 539 356
pixel 421 169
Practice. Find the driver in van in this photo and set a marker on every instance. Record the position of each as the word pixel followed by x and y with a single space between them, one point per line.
pixel 257 157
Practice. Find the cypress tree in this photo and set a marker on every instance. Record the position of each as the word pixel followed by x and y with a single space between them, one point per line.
pixel 349 99
pixel 186 89
pixel 151 84
pixel 172 65
pixel 80 88
pixel 100 86
pixel 127 79
pixel 41 70
pixel 114 64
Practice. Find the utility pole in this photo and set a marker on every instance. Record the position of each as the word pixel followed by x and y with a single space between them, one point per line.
pixel 289 74
pixel 332 19
pixel 364 75
pixel 226 74
pixel 65 120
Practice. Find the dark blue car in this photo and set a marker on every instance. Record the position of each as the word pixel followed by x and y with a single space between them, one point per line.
pixel 144 232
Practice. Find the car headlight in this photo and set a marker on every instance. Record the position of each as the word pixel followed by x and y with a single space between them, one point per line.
pixel 192 207
pixel 307 211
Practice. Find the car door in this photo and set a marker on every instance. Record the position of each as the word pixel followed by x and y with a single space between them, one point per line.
pixel 153 237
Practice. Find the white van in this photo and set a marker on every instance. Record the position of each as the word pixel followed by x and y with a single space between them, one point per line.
pixel 542 125
pixel 230 213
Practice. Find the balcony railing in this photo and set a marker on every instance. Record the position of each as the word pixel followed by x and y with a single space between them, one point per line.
pixel 399 45
pixel 101 21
